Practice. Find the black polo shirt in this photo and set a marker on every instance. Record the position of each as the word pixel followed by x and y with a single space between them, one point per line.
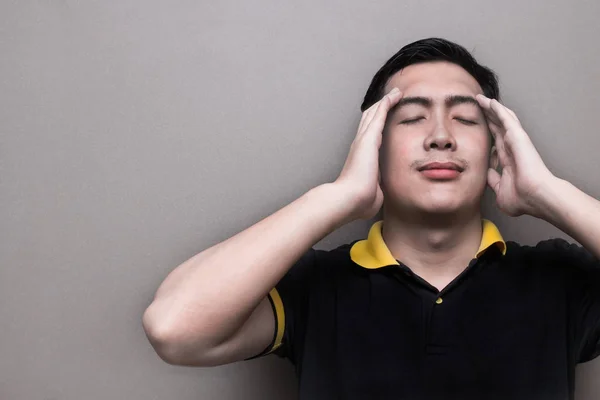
pixel 359 324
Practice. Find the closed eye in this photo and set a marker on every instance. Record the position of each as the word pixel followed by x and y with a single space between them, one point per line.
pixel 466 121
pixel 411 121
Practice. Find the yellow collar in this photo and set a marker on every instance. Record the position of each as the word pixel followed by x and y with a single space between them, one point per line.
pixel 373 253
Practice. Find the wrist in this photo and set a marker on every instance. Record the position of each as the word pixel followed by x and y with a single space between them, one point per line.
pixel 338 203
pixel 547 204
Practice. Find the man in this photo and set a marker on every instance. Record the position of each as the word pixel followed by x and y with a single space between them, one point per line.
pixel 433 303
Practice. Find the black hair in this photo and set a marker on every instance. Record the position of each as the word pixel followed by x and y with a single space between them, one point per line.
pixel 428 50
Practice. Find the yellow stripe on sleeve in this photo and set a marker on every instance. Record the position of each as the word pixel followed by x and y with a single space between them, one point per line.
pixel 280 313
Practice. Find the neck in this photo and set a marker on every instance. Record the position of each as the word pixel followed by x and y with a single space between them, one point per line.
pixel 432 245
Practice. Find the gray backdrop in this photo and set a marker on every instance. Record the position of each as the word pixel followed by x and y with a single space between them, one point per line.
pixel 135 134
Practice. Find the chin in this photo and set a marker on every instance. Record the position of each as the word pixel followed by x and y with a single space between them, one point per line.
pixel 440 200
pixel 439 208
pixel 445 205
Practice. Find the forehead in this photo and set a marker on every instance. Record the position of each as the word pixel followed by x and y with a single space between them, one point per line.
pixel 434 79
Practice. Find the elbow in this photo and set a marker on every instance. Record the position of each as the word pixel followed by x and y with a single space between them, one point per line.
pixel 171 347
pixel 162 339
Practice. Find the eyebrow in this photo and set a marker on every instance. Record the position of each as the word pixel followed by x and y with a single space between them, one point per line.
pixel 427 102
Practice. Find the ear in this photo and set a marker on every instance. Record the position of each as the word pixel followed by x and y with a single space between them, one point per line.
pixel 494 158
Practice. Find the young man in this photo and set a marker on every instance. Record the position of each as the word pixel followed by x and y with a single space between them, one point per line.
pixel 433 303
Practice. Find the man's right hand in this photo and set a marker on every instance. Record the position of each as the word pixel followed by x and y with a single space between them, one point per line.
pixel 360 175
pixel 190 321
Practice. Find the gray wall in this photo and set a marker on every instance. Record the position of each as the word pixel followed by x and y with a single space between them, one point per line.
pixel 135 134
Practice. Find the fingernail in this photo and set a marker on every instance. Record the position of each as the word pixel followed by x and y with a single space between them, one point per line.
pixel 394 90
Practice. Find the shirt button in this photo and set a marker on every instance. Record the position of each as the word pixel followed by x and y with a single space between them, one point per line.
pixel 439 300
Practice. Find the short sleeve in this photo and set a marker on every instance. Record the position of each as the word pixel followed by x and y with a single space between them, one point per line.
pixel 582 281
pixel 289 301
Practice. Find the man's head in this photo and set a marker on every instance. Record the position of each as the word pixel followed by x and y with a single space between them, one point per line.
pixel 437 120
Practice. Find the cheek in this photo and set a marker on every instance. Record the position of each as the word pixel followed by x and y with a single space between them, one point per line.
pixel 476 149
pixel 400 152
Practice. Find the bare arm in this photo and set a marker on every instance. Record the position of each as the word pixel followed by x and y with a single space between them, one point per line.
pixel 206 300
pixel 212 309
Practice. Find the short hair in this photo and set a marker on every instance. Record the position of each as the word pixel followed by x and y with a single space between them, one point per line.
pixel 428 50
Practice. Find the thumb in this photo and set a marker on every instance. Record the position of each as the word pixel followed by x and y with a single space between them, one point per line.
pixel 493 179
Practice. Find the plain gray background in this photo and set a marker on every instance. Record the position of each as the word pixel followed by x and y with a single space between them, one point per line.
pixel 135 134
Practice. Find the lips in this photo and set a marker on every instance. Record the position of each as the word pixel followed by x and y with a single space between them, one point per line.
pixel 442 165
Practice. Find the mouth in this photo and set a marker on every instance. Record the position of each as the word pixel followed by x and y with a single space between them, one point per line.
pixel 441 171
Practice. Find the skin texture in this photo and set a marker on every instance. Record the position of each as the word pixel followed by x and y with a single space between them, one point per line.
pixel 439 136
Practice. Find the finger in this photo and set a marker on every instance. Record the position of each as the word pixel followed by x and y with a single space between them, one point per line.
pixel 367 115
pixel 490 115
pixel 512 113
pixel 499 111
pixel 493 180
pixel 486 104
pixel 378 121
pixel 494 122
pixel 504 114
pixel 503 155
pixel 392 94
pixel 496 130
pixel 483 100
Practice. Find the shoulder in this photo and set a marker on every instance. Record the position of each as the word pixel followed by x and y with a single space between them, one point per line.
pixel 562 250
pixel 333 262
pixel 340 253
pixel 554 253
pixel 322 261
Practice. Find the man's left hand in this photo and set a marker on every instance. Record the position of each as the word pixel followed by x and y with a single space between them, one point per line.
pixel 524 175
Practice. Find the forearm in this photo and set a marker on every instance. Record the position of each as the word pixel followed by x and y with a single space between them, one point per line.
pixel 212 294
pixel 572 211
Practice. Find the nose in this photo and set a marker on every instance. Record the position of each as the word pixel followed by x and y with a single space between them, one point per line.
pixel 440 139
